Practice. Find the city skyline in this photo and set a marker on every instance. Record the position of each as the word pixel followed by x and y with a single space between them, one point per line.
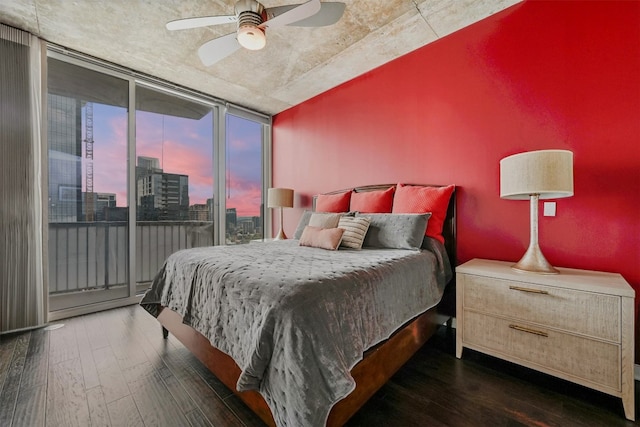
pixel 183 146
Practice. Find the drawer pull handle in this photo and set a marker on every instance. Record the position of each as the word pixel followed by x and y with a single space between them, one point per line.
pixel 529 331
pixel 532 291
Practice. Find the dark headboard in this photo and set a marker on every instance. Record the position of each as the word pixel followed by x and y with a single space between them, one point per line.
pixel 448 229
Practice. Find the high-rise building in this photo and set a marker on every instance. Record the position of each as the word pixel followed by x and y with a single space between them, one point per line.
pixel 246 226
pixel 199 212
pixel 64 134
pixel 232 218
pixel 148 164
pixel 161 195
pixel 101 203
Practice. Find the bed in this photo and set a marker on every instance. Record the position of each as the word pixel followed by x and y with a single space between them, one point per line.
pixel 316 332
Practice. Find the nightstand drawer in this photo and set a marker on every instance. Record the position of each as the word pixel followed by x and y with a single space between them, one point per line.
pixel 565 355
pixel 592 314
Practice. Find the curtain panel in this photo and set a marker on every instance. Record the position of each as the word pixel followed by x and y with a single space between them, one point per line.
pixel 23 293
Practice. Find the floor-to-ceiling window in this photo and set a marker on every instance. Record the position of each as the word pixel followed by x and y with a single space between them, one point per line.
pixel 137 170
pixel 87 200
pixel 244 180
pixel 174 178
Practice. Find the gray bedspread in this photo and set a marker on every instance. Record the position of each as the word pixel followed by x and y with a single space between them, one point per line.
pixel 297 319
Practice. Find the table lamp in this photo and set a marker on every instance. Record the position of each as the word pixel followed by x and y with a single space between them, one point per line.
pixel 280 198
pixel 543 174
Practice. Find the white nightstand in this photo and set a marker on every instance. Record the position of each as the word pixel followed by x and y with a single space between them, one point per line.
pixel 577 325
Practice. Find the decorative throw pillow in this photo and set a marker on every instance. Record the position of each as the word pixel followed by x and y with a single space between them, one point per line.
pixel 396 231
pixel 415 199
pixel 323 238
pixel 304 221
pixel 333 202
pixel 324 220
pixel 373 201
pixel 355 229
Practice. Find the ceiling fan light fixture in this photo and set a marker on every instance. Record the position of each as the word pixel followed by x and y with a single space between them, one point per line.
pixel 251 37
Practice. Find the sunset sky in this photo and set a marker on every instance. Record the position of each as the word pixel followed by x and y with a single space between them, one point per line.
pixel 183 146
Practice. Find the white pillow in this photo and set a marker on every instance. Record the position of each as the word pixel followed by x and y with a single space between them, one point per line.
pixel 324 220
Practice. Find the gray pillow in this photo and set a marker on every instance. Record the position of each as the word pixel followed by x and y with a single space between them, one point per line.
pixel 395 231
pixel 304 221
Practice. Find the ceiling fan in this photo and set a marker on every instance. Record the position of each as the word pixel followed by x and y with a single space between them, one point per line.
pixel 253 19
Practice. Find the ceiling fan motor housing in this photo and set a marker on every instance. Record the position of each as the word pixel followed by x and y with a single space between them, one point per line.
pixel 250 14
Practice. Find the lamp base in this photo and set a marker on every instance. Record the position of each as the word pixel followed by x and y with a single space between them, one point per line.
pixel 534 262
pixel 280 235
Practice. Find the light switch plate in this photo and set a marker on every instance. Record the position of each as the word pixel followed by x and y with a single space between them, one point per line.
pixel 549 208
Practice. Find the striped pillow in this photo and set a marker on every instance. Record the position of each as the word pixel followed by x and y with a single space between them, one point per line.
pixel 355 228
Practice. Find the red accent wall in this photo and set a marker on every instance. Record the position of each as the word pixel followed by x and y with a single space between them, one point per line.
pixel 539 75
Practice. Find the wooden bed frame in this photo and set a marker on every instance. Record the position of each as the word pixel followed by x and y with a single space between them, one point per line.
pixel 374 370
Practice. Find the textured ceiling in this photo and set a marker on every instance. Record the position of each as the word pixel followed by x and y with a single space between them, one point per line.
pixel 297 63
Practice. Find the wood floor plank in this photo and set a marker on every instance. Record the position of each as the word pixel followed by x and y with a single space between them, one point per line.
pixel 85 351
pixel 63 344
pixel 66 398
pixel 124 413
pixel 441 407
pixel 543 397
pixel 154 354
pixel 98 412
pixel 482 380
pixel 11 388
pixel 156 405
pixel 180 395
pixel 196 419
pixel 97 337
pixel 242 411
pixel 485 398
pixel 37 360
pixel 123 341
pixel 205 398
pixel 213 382
pixel 114 385
pixel 31 407
pixel 7 347
pixel 138 371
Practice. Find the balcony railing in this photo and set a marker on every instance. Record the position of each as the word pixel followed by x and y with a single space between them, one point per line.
pixel 93 255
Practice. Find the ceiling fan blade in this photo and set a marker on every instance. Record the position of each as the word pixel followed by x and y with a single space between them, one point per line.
pixel 218 49
pixel 298 13
pixel 330 13
pixel 203 21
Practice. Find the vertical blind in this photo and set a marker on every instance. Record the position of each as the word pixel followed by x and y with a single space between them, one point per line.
pixel 23 302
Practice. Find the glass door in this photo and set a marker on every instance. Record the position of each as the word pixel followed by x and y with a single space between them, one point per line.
pixel 87 196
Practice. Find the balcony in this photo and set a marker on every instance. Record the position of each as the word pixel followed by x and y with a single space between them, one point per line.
pixel 88 261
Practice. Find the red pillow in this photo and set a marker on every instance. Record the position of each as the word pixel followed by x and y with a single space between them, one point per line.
pixel 373 201
pixel 333 202
pixel 414 199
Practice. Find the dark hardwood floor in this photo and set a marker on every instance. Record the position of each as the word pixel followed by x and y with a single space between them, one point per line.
pixel 114 369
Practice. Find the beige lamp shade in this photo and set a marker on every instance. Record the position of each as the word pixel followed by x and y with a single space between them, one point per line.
pixel 543 174
pixel 547 173
pixel 280 198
